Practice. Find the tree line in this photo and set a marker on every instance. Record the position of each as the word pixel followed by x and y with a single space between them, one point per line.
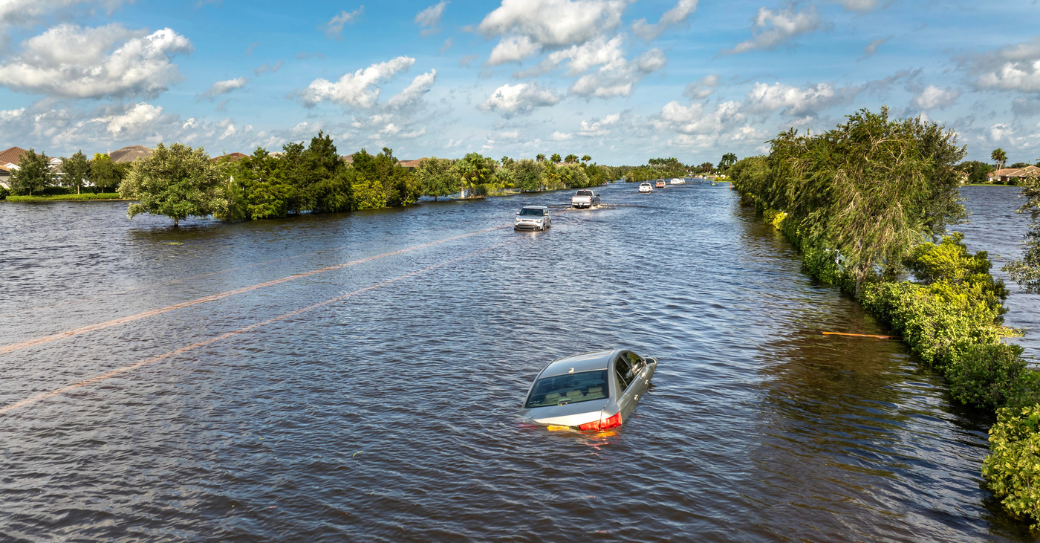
pixel 869 204
pixel 180 182
pixel 35 176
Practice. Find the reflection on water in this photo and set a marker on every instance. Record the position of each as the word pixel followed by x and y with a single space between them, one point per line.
pixel 391 415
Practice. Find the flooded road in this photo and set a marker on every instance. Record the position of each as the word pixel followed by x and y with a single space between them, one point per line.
pixel 357 376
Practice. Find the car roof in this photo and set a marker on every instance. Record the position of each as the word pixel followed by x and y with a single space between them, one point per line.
pixel 597 360
pixel 535 207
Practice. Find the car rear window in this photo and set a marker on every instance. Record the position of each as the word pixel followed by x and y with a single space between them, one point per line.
pixel 569 388
pixel 584 193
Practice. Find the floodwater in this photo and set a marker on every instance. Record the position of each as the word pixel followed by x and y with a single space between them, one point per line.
pixel 357 377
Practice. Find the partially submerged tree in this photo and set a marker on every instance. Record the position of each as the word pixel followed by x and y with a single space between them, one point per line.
pixel 33 174
pixel 1026 271
pixel 104 174
pixel 177 182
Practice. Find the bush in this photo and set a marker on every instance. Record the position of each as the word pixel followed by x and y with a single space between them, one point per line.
pixel 985 375
pixel 4 193
pixel 1012 469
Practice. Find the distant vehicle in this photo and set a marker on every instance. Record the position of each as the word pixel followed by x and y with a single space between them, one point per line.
pixel 646 187
pixel 584 198
pixel 660 184
pixel 589 392
pixel 678 181
pixel 532 218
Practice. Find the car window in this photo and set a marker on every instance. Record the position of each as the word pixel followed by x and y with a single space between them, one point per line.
pixel 637 362
pixel 531 211
pixel 569 388
pixel 623 372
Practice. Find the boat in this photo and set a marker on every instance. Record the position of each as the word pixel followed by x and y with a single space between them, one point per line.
pixel 660 184
pixel 678 181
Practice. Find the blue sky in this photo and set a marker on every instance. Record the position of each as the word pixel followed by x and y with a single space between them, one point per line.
pixel 620 80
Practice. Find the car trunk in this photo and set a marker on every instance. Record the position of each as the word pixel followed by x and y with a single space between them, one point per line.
pixel 569 414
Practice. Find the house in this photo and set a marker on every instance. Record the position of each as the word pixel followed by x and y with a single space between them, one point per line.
pixel 410 164
pixel 348 159
pixel 230 156
pixel 1005 175
pixel 130 153
pixel 8 163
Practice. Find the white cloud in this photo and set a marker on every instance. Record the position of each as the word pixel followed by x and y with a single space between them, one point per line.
pixel 597 127
pixel 414 92
pixel 592 53
pixel 531 25
pixel 619 78
pixel 355 89
pixel 138 118
pixel 561 136
pixel 334 27
pixel 518 99
pixel 513 49
pixel 430 17
pixel 28 12
pixel 772 29
pixel 702 88
pixel 413 134
pixel 764 99
pixel 68 61
pixel 674 16
pixel 1015 67
pixel 871 47
pixel 11 114
pixel 934 97
pixel 224 87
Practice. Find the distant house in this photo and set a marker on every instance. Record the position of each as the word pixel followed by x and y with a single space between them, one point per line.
pixel 8 163
pixel 411 164
pixel 349 159
pixel 130 153
pixel 230 156
pixel 1007 174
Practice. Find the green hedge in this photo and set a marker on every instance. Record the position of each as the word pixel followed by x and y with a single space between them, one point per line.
pixel 56 197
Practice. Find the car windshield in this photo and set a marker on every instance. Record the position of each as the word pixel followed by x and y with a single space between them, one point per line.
pixel 569 388
pixel 531 211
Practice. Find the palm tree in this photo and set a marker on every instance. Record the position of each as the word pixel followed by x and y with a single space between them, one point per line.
pixel 540 157
pixel 999 156
pixel 585 159
pixel 555 158
pixel 571 159
pixel 728 160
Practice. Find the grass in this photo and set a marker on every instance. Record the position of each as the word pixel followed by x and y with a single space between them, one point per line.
pixel 65 197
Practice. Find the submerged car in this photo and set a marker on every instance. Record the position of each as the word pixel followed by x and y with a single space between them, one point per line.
pixel 646 188
pixel 532 218
pixel 589 392
pixel 584 198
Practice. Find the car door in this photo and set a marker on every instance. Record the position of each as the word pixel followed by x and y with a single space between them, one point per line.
pixel 641 379
pixel 623 380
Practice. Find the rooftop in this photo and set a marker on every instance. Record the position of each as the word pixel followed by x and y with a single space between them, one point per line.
pixel 12 155
pixel 130 153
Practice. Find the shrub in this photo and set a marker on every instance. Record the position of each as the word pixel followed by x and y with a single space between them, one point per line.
pixel 985 375
pixel 1012 469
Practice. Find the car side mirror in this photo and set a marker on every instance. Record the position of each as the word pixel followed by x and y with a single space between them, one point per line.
pixel 517 212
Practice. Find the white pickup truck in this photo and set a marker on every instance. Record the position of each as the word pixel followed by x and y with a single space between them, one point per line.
pixel 584 198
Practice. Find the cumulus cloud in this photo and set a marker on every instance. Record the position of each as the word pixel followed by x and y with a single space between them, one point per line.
pixel 618 78
pixel 138 118
pixel 764 99
pixel 413 92
pixel 934 97
pixel 69 61
pixel 774 28
pixel 28 12
pixel 224 87
pixel 356 89
pixel 430 17
pixel 519 99
pixel 597 127
pixel 334 27
pixel 702 88
pixel 513 49
pixel 528 26
pixel 675 16
pixel 1015 67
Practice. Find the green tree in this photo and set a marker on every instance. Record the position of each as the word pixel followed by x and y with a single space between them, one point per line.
pixel 977 171
pixel 999 157
pixel 540 157
pixel 1026 271
pixel 728 160
pixel 104 174
pixel 434 177
pixel 571 159
pixel 475 172
pixel 33 174
pixel 555 158
pixel 176 182
pixel 265 191
pixel 528 174
pixel 706 167
pixel 75 171
pixel 585 159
